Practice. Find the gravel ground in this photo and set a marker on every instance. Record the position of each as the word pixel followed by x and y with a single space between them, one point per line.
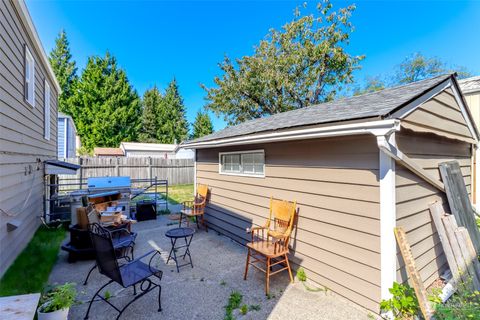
pixel 203 291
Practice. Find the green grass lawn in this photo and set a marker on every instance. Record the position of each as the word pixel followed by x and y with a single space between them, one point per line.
pixel 29 272
pixel 179 193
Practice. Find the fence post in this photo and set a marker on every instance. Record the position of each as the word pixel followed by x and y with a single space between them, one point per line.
pixel 80 162
pixel 117 167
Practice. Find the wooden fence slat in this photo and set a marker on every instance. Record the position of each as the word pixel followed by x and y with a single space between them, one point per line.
pixel 176 171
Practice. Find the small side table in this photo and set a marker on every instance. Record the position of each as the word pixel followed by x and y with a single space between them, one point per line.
pixel 174 235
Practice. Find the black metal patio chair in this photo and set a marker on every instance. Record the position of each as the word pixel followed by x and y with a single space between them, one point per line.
pixel 127 275
pixel 123 242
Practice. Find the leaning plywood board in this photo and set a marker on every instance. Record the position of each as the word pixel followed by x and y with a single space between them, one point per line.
pixel 459 200
pixel 437 212
pixel 413 273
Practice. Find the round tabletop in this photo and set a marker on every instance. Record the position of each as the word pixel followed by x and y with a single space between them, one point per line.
pixel 180 232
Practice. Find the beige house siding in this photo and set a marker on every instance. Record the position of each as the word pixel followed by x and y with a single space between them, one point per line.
pixel 440 115
pixel 414 195
pixel 21 136
pixel 473 102
pixel 335 182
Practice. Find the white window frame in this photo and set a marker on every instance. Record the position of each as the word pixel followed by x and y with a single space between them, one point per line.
pixel 220 154
pixel 47 97
pixel 29 93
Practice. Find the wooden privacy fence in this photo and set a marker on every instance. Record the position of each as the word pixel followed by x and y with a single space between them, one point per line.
pixel 176 171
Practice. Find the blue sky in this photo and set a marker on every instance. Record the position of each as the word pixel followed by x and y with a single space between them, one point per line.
pixel 155 41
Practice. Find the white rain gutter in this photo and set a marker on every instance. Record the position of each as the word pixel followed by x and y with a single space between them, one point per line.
pixel 377 128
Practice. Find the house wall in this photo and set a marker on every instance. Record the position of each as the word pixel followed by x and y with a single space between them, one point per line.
pixel 413 195
pixel 336 185
pixel 473 102
pixel 71 140
pixel 440 115
pixel 21 137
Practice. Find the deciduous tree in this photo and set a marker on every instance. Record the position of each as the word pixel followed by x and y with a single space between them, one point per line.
pixel 304 63
pixel 418 67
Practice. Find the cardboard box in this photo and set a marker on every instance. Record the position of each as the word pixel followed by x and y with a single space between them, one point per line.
pixel 82 218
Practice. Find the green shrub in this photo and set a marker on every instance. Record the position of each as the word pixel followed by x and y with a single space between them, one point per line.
pixel 403 304
pixel 464 304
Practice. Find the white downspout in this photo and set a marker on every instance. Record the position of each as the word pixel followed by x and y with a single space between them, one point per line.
pixel 388 246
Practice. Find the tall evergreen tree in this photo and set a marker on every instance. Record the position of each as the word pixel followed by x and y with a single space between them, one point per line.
pixel 202 126
pixel 65 70
pixel 172 123
pixel 107 108
pixel 151 103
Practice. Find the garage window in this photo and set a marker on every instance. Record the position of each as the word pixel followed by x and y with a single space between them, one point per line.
pixel 245 163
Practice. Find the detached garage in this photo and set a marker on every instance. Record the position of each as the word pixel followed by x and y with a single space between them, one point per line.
pixel 357 168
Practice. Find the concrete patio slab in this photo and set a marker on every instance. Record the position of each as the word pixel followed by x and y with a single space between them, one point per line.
pixel 203 291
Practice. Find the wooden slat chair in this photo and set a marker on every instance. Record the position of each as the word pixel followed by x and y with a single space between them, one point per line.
pixel 269 243
pixel 196 207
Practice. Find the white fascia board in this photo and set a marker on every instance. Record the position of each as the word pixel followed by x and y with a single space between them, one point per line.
pixel 410 107
pixel 380 127
pixel 388 219
pixel 22 10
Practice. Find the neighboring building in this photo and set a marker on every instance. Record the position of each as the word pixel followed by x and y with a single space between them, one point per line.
pixel 156 150
pixel 357 167
pixel 471 91
pixel 108 152
pixel 67 138
pixel 28 128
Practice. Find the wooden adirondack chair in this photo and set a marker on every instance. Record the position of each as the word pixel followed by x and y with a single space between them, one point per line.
pixel 196 207
pixel 269 243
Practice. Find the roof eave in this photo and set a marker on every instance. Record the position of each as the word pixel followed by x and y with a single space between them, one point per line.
pixel 380 127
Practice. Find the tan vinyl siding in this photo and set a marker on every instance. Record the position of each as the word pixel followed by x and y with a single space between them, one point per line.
pixel 21 136
pixel 473 102
pixel 335 182
pixel 440 115
pixel 414 195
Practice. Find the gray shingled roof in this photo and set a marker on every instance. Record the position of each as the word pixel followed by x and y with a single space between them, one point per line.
pixel 370 105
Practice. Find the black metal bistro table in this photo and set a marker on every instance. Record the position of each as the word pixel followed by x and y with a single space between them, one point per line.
pixel 174 235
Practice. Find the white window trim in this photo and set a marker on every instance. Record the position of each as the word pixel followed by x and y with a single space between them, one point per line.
pixel 47 109
pixel 220 154
pixel 29 83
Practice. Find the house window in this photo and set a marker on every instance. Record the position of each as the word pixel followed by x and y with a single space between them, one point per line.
pixel 29 78
pixel 247 163
pixel 47 110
